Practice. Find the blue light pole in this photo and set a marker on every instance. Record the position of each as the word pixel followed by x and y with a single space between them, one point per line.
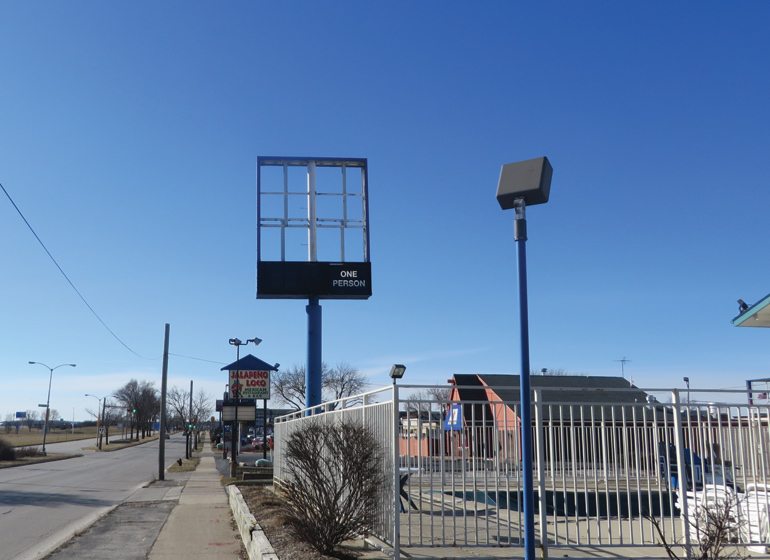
pixel 520 184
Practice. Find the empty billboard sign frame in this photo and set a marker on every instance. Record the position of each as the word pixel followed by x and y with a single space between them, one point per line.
pixel 313 228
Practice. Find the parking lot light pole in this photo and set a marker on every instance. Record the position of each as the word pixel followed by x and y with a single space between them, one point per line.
pixel 521 184
pixel 396 373
pixel 48 400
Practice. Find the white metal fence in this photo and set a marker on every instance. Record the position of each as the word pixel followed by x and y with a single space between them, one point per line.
pixel 601 471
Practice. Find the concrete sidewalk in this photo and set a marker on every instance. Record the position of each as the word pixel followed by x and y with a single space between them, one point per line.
pixel 200 526
pixel 187 515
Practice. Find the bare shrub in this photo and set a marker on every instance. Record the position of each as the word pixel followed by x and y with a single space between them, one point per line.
pixel 334 473
pixel 7 453
pixel 717 531
pixel 30 451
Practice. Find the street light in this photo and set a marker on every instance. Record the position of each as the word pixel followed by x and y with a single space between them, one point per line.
pixel 48 401
pixel 237 342
pixel 525 183
pixel 99 424
pixel 687 381
pixel 397 372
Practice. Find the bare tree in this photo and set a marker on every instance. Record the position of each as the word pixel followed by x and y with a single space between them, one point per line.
pixel 555 372
pixel 201 406
pixel 31 419
pixel 343 380
pixel 289 385
pixel 178 402
pixel 140 400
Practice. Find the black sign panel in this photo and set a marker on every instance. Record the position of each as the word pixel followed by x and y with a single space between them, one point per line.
pixel 324 280
pixel 240 402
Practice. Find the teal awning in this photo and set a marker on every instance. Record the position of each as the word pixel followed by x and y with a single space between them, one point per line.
pixel 757 315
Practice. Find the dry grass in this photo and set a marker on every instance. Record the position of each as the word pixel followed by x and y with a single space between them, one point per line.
pixel 35 437
pixel 186 466
pixel 20 462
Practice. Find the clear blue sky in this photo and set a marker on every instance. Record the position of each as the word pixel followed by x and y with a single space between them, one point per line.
pixel 129 134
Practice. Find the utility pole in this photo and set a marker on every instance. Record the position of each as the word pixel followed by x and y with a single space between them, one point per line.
pixel 163 382
pixel 188 450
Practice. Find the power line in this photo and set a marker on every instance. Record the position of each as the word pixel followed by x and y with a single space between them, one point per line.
pixel 219 363
pixel 72 285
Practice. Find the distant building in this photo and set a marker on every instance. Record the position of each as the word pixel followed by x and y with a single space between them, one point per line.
pixel 485 416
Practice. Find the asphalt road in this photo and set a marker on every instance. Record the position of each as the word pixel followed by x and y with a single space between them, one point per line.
pixel 41 504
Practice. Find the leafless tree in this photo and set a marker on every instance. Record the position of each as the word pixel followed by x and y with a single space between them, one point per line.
pixel 178 402
pixel 334 474
pixel 555 372
pixel 141 401
pixel 343 380
pixel 289 385
pixel 31 419
pixel 54 415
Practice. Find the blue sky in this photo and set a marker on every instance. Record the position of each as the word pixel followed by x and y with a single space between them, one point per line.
pixel 129 135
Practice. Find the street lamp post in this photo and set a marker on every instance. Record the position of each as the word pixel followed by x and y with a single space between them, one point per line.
pixel 687 382
pixel 99 422
pixel 48 400
pixel 396 373
pixel 523 184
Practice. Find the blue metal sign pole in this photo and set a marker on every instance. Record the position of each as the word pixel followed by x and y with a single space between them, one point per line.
pixel 313 369
pixel 520 235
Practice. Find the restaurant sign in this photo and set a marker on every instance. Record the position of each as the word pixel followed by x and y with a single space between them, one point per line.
pixel 253 384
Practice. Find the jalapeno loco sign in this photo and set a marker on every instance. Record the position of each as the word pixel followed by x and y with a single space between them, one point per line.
pixel 254 384
pixel 252 377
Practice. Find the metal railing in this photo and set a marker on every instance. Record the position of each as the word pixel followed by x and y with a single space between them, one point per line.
pixel 602 470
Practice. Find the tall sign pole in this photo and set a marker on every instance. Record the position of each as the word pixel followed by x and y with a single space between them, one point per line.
pixel 521 184
pixel 163 383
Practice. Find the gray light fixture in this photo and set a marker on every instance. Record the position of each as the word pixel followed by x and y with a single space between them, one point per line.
pixel 529 180
pixel 397 371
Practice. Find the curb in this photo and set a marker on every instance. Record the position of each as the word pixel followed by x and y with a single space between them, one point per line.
pixel 257 545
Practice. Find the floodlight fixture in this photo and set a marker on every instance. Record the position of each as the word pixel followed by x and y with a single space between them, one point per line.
pixel 529 180
pixel 397 371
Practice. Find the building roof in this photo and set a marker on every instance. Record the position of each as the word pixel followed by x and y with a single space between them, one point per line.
pixel 756 315
pixel 563 396
pixel 249 362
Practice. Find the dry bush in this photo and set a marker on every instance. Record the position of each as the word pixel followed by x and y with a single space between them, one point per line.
pixel 30 451
pixel 7 453
pixel 334 474
pixel 717 528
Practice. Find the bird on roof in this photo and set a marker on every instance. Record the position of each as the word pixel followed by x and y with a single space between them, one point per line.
pixel 742 306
